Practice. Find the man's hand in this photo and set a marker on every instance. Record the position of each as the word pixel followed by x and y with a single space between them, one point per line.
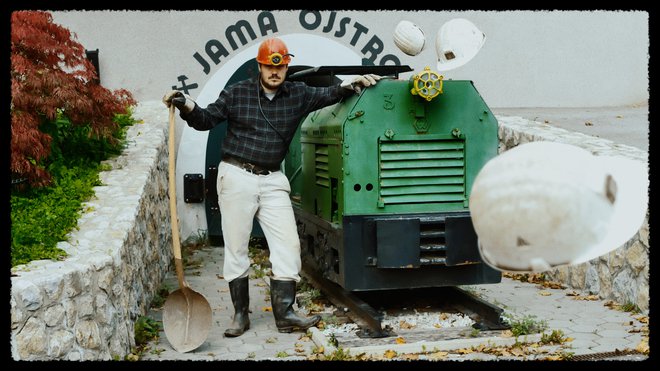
pixel 181 101
pixel 359 82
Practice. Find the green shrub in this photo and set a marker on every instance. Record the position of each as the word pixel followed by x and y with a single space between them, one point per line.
pixel 43 216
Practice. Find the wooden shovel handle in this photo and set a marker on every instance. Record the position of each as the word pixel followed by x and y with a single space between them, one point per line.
pixel 176 244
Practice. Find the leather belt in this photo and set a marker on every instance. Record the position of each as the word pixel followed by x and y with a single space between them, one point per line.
pixel 248 166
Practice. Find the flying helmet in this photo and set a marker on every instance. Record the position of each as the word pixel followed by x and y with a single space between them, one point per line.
pixel 457 42
pixel 542 205
pixel 274 52
pixel 409 38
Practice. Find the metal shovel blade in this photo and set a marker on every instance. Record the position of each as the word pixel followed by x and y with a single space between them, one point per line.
pixel 186 319
pixel 186 313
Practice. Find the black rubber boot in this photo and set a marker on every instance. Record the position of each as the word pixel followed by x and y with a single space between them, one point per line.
pixel 282 297
pixel 238 289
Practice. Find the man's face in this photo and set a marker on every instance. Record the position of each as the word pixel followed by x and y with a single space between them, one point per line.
pixel 272 76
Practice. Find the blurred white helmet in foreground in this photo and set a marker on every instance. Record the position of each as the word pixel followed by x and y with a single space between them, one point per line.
pixel 457 42
pixel 409 38
pixel 542 205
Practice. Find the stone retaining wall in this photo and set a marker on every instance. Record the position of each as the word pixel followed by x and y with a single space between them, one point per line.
pixel 85 307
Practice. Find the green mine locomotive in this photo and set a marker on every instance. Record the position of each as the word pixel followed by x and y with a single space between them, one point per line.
pixel 381 181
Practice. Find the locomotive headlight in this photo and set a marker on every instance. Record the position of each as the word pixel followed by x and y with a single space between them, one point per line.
pixel 427 84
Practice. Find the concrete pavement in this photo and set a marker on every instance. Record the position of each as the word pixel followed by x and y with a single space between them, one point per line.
pixel 586 324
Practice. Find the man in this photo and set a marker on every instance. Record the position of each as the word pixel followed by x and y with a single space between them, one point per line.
pixel 263 115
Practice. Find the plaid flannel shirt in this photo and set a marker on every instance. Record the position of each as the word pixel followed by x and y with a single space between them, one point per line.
pixel 249 136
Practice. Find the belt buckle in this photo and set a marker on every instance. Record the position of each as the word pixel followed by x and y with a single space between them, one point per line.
pixel 249 167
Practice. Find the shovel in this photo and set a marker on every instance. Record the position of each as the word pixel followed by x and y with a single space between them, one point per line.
pixel 186 313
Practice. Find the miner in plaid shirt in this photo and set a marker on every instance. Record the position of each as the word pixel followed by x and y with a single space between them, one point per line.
pixel 263 115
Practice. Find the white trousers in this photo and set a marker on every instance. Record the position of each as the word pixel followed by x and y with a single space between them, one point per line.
pixel 242 196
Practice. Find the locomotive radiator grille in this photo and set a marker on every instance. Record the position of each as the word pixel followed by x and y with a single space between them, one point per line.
pixel 422 171
pixel 321 166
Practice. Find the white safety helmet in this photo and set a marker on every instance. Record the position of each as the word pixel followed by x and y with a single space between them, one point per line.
pixel 457 42
pixel 541 205
pixel 409 38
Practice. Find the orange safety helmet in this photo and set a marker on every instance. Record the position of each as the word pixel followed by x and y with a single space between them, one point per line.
pixel 273 51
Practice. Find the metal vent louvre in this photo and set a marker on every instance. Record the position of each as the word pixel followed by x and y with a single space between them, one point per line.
pixel 321 166
pixel 432 241
pixel 422 171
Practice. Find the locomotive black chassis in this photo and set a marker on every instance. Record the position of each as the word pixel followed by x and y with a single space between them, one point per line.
pixel 382 252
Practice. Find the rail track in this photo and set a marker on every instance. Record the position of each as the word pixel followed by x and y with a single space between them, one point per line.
pixel 365 308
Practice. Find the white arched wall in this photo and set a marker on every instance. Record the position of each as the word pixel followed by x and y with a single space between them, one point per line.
pixel 308 49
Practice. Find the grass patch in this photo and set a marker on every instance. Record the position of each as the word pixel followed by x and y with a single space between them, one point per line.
pixel 527 325
pixel 42 217
pixel 555 337
pixel 146 330
pixel 630 307
pixel 161 296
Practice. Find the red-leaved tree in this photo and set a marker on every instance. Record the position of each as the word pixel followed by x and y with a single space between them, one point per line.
pixel 50 73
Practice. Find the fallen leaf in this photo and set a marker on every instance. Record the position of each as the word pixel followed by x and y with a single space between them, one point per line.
pixel 553 285
pixel 643 346
pixel 410 357
pixel 587 297
pixel 610 304
pixel 400 340
pixel 389 354
pixel 545 293
pixel 518 352
pixel 507 333
pixel 267 309
pixel 405 325
pixel 438 355
pixel 553 358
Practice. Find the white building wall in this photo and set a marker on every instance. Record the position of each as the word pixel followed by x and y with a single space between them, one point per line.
pixel 530 58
